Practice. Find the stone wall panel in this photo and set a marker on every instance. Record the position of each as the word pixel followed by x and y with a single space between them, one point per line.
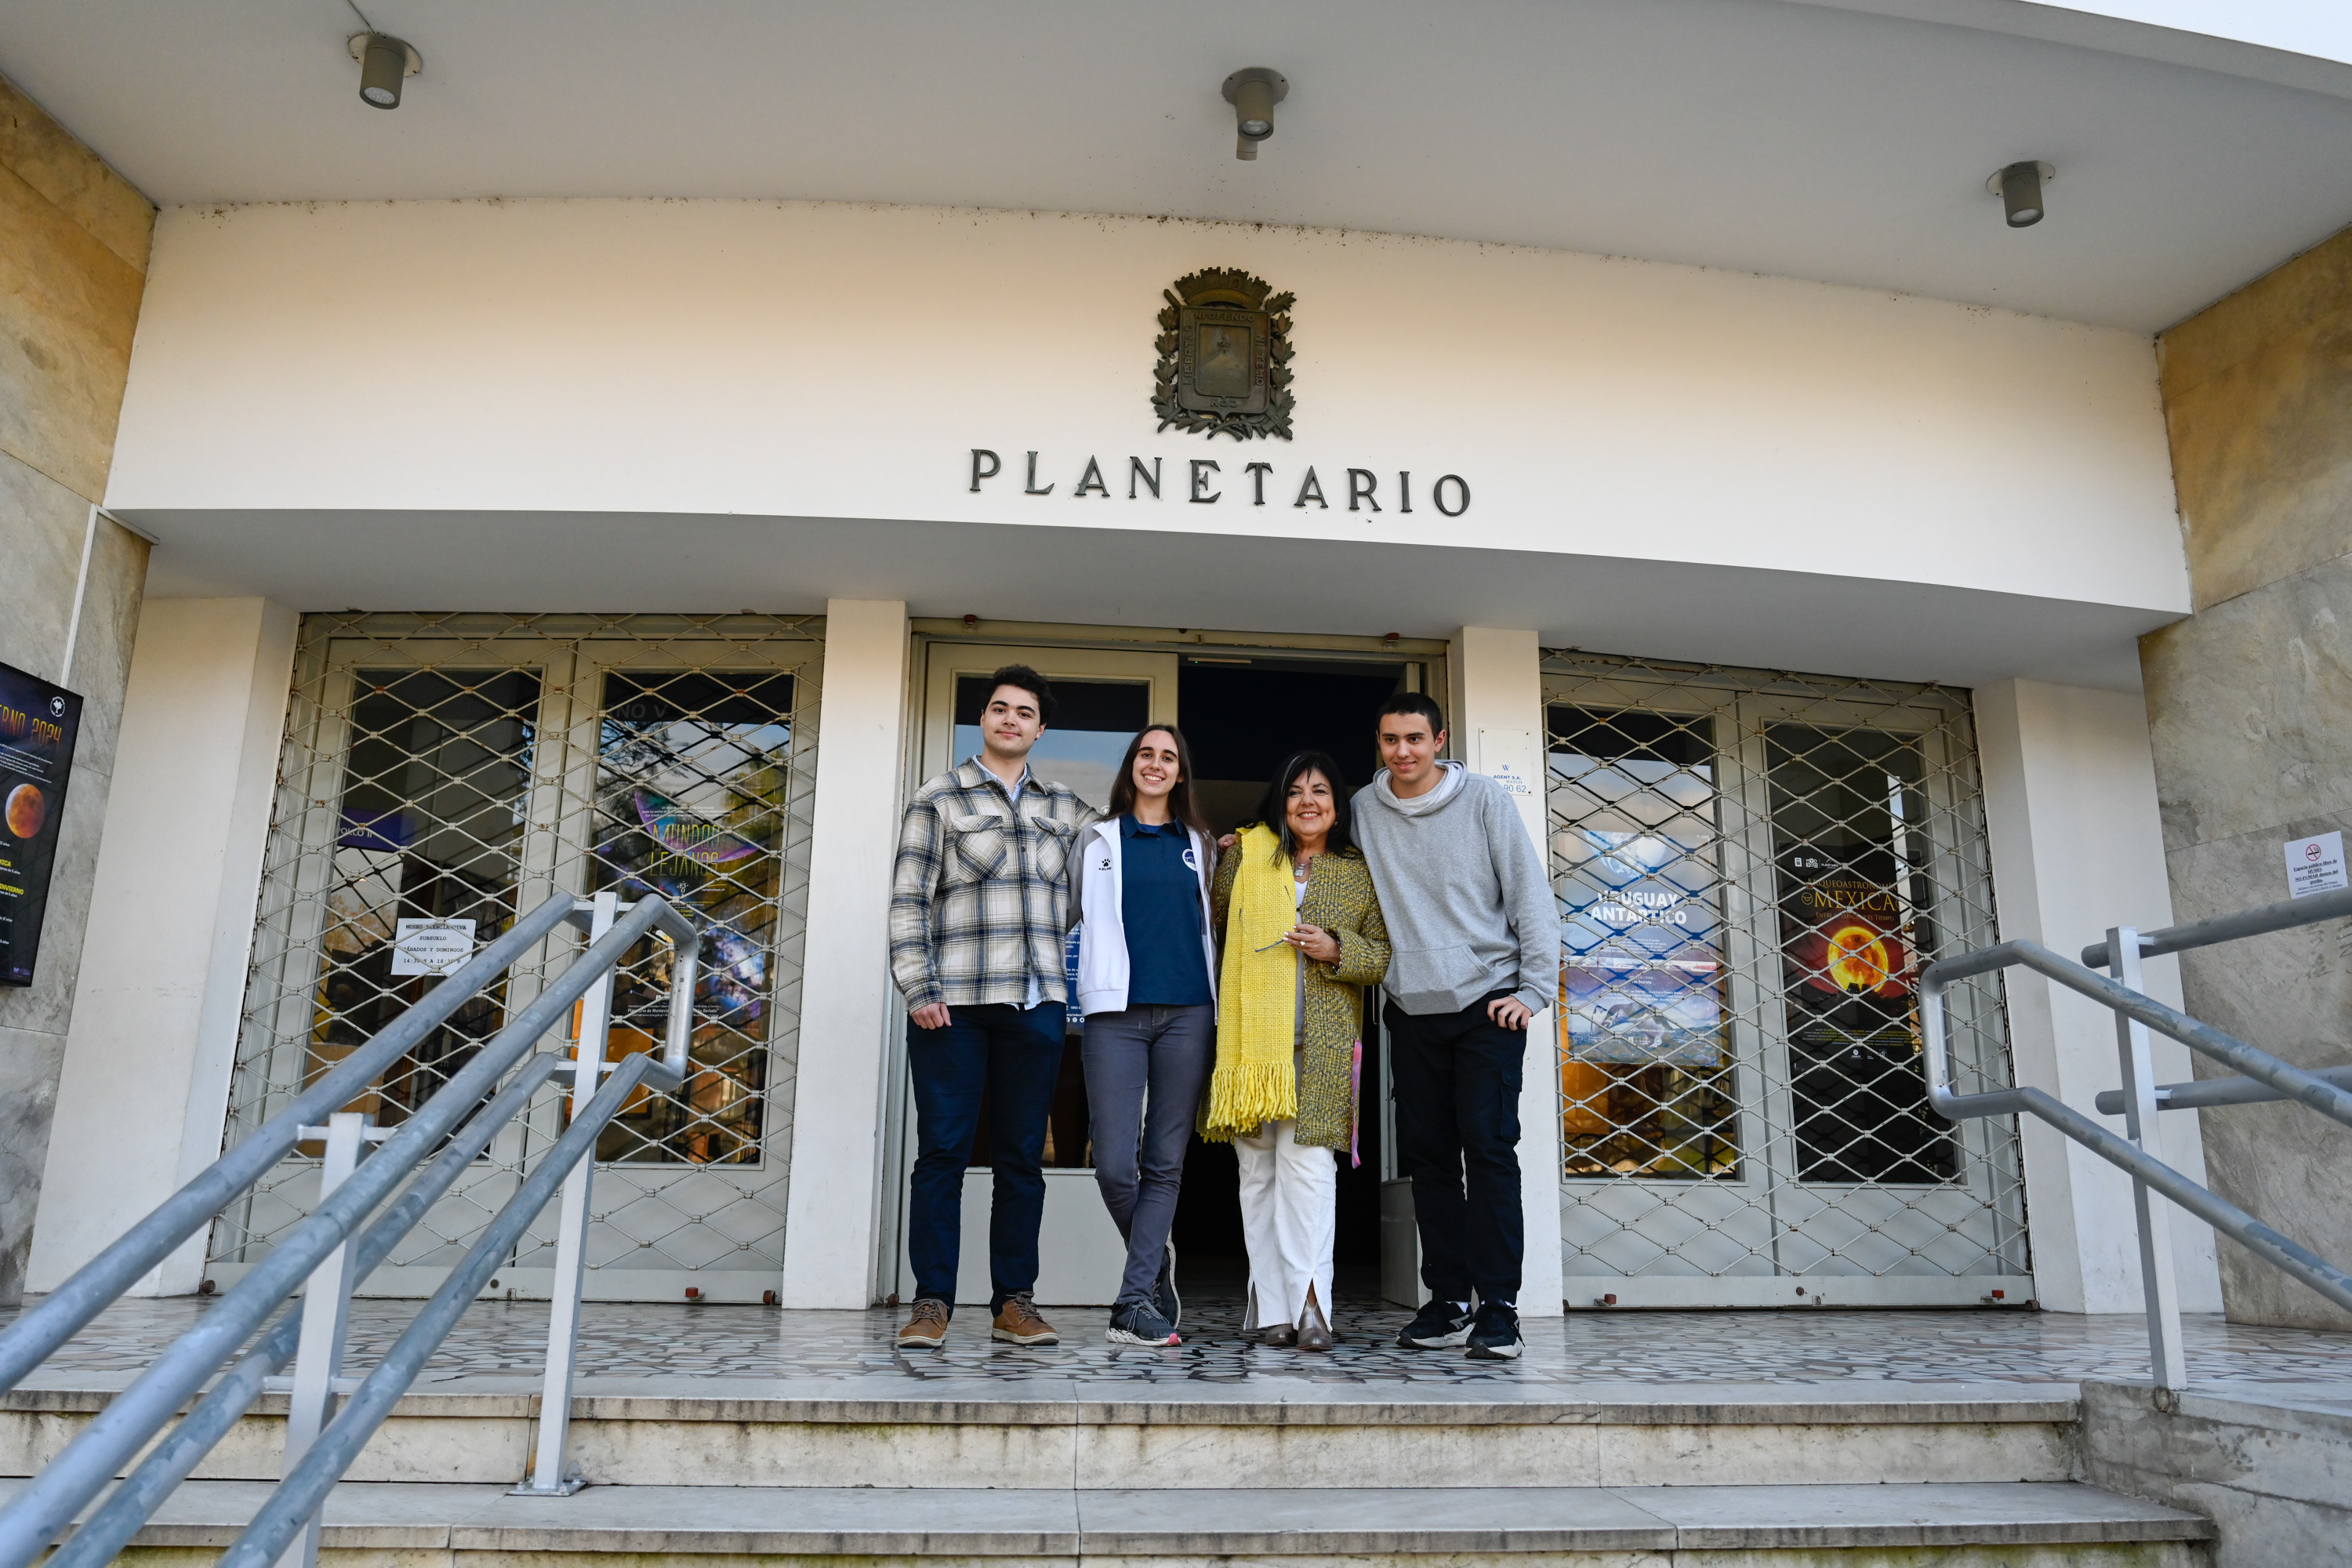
pixel 73 253
pixel 2247 707
pixel 75 180
pixel 2250 718
pixel 68 307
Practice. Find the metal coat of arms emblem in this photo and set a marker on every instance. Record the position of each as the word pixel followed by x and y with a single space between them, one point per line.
pixel 1225 357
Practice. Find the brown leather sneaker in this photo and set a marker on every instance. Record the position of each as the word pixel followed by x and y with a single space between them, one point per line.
pixel 1017 1322
pixel 927 1325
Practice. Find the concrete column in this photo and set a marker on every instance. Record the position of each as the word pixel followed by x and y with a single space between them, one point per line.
pixel 2071 809
pixel 1496 719
pixel 831 1220
pixel 145 1085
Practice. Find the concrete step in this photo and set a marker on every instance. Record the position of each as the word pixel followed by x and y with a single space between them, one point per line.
pixel 1976 1524
pixel 690 1432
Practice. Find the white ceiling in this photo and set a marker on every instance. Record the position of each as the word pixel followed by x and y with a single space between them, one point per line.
pixel 1845 141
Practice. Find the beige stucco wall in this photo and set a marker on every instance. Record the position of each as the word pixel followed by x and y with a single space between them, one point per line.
pixel 73 263
pixel 2250 709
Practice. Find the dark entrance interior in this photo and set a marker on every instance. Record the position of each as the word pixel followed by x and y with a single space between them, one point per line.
pixel 1243 717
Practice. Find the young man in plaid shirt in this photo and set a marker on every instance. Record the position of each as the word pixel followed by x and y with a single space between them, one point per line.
pixel 979 905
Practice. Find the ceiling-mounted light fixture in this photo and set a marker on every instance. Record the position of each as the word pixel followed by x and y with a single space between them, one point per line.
pixel 384 63
pixel 1253 91
pixel 2018 186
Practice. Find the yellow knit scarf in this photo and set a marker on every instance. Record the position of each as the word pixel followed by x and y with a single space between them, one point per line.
pixel 1257 998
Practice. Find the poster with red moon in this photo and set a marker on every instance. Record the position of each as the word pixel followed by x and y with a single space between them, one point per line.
pixel 38 722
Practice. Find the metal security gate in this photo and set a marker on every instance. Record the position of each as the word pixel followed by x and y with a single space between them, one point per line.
pixel 1752 869
pixel 441 772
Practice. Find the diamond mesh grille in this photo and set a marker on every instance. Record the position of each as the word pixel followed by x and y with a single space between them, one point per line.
pixel 463 767
pixel 1751 867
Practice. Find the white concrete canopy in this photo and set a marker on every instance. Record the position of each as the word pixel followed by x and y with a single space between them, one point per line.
pixel 641 406
pixel 1226 581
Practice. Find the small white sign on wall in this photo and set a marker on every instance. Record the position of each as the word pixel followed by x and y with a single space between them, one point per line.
pixel 431 947
pixel 2314 865
pixel 1504 755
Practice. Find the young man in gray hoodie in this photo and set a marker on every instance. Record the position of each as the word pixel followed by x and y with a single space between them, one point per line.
pixel 1475 954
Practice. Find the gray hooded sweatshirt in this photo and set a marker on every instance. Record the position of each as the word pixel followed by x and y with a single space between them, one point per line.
pixel 1468 907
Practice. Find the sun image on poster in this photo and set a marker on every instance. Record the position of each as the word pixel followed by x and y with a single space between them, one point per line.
pixel 38 723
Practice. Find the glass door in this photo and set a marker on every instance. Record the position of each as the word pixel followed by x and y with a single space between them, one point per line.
pixel 1751 870
pixel 1104 696
pixel 459 769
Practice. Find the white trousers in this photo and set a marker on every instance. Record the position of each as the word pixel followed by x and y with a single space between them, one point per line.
pixel 1289 1193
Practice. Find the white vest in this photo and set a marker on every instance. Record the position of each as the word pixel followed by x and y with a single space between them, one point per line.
pixel 1102 934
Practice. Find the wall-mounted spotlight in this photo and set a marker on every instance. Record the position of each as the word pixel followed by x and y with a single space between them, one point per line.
pixel 384 63
pixel 2018 186
pixel 1253 91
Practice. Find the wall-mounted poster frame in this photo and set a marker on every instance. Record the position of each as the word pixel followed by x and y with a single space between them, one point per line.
pixel 39 725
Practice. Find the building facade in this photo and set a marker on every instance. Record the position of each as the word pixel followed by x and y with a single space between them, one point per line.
pixel 533 547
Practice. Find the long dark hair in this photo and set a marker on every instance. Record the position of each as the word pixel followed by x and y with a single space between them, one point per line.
pixel 1274 809
pixel 1180 799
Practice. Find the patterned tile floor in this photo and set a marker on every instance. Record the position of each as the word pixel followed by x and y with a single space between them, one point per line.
pixel 506 1340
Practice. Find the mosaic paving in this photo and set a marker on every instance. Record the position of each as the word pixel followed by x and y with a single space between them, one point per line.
pixel 506 1340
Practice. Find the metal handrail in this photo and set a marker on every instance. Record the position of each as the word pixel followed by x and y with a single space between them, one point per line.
pixel 68 1309
pixel 2308 911
pixel 313 1255
pixel 2137 1152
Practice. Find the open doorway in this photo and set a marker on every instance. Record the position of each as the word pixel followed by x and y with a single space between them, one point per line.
pixel 1243 717
pixel 1245 713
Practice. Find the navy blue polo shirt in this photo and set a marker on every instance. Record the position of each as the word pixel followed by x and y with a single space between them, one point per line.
pixel 1160 905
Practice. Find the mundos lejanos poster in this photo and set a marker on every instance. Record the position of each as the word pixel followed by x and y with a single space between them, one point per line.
pixel 38 722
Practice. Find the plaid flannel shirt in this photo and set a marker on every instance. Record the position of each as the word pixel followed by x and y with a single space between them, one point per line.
pixel 980 899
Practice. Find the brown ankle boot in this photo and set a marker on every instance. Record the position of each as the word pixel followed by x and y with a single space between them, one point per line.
pixel 1314 1329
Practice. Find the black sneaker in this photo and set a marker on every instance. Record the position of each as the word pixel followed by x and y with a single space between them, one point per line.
pixel 1497 1335
pixel 1438 1325
pixel 1139 1323
pixel 1163 1291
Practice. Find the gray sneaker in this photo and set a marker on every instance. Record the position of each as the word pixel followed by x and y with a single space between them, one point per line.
pixel 1139 1323
pixel 1163 1291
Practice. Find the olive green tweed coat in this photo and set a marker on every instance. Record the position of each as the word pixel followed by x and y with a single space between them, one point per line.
pixel 1340 899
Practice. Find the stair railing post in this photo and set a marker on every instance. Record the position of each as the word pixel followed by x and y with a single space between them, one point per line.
pixel 2168 1359
pixel 326 1319
pixel 547 1478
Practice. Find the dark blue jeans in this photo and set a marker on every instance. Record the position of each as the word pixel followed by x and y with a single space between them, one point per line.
pixel 1456 1078
pixel 1014 1055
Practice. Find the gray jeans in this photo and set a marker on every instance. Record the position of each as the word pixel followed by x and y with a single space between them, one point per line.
pixel 1145 1071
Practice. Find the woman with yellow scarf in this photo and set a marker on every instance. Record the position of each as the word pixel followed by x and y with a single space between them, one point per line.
pixel 1303 937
